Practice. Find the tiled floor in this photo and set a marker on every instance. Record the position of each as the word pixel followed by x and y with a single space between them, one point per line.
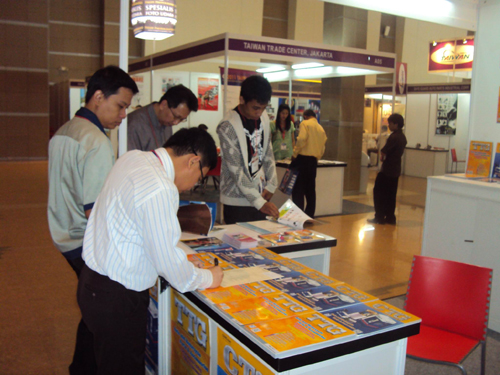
pixel 38 310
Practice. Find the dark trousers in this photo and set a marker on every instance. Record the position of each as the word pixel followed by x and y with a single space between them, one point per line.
pixel 305 186
pixel 117 317
pixel 83 356
pixel 384 197
pixel 238 214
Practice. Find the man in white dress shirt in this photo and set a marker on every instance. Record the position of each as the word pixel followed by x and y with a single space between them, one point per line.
pixel 131 239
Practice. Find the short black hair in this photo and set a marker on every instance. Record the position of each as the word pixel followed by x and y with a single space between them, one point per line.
pixel 109 80
pixel 309 113
pixel 258 88
pixel 180 94
pixel 203 127
pixel 194 141
pixel 397 119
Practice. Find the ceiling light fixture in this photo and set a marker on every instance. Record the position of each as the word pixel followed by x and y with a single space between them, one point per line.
pixel 270 69
pixel 307 65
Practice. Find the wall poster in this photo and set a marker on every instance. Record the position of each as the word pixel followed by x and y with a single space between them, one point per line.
pixel 208 94
pixel 447 107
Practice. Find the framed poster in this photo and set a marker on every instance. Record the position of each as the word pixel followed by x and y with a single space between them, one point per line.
pixel 208 94
pixel 447 106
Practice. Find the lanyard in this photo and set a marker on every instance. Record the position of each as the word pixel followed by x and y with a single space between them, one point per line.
pixel 153 131
pixel 154 152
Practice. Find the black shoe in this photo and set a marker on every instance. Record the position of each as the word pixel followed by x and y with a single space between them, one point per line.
pixel 391 222
pixel 375 221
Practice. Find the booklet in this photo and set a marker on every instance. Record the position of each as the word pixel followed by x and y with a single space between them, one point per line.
pixel 371 317
pixel 279 239
pixel 204 244
pixel 238 292
pixel 253 310
pixel 305 235
pixel 240 240
pixel 292 216
pixel 295 334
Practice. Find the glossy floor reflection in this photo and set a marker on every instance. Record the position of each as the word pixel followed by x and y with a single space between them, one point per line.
pixel 377 258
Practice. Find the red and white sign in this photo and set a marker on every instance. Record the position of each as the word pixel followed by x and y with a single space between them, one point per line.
pixel 449 55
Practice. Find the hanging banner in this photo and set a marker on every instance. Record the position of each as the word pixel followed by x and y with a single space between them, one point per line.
pixel 447 108
pixel 153 19
pixel 236 76
pixel 401 78
pixel 451 55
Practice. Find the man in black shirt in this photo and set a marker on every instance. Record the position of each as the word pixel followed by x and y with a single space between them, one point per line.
pixel 386 183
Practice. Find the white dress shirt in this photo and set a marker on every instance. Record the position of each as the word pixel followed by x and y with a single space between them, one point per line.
pixel 133 230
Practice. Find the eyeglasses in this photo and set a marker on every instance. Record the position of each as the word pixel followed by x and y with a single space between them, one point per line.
pixel 201 170
pixel 177 118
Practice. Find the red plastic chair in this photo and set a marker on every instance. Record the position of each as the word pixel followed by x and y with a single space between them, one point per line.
pixel 454 160
pixel 215 174
pixel 452 299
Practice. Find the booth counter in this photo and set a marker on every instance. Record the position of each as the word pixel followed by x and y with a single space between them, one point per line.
pixel 329 186
pixel 197 336
pixel 422 162
pixel 461 223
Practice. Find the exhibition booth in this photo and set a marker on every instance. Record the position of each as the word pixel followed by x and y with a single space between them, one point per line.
pixel 213 69
pixel 425 108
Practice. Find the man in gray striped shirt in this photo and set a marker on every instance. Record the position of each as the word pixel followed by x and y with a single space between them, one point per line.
pixel 131 239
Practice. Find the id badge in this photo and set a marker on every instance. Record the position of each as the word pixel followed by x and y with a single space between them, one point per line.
pixel 283 146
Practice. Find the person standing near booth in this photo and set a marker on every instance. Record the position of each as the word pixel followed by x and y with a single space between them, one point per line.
pixel 131 239
pixel 283 133
pixel 386 183
pixel 151 126
pixel 80 157
pixel 248 171
pixel 309 148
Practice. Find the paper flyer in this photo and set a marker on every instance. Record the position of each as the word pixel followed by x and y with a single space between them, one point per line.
pixel 496 163
pixel 259 309
pixel 363 319
pixel 323 298
pixel 297 332
pixel 479 160
pixel 238 292
pixel 320 278
pixel 295 282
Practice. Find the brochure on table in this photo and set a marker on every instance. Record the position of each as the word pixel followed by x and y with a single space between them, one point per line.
pixel 301 311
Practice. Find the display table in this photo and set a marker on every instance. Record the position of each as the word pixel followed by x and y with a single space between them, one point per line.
pixel 421 162
pixel 461 223
pixel 315 255
pixel 196 336
pixel 329 186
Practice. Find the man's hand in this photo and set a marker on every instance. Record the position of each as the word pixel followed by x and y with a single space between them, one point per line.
pixel 217 275
pixel 382 156
pixel 197 263
pixel 270 209
pixel 267 195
